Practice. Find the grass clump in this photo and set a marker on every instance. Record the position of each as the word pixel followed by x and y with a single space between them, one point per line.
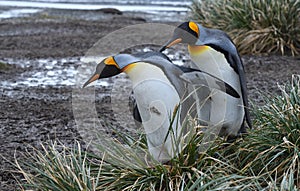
pixel 256 26
pixel 277 139
pixel 191 170
pixel 272 150
pixel 61 168
pixel 266 159
pixel 3 66
pixel 58 168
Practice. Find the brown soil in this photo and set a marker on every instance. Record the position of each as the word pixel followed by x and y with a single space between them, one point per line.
pixel 35 115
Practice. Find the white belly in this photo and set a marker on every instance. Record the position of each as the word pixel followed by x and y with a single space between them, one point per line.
pixel 221 109
pixel 156 100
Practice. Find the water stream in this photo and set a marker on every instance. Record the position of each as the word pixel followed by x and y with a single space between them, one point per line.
pixel 154 9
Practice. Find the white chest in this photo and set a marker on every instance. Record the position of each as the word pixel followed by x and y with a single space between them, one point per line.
pixel 156 100
pixel 221 109
pixel 215 63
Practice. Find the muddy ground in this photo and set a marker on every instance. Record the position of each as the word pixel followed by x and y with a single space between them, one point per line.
pixel 33 115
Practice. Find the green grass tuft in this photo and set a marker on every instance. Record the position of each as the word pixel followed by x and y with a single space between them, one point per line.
pixel 3 66
pixel 266 159
pixel 272 150
pixel 58 168
pixel 274 147
pixel 256 26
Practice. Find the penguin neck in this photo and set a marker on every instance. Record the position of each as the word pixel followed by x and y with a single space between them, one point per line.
pixel 207 59
pixel 196 49
pixel 142 71
pixel 213 62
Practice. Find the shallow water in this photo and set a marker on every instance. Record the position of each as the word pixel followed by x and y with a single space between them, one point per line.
pixel 46 72
pixel 86 6
pixel 163 10
pixel 17 12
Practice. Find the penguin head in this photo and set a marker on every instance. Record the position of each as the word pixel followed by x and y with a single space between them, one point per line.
pixel 187 32
pixel 112 66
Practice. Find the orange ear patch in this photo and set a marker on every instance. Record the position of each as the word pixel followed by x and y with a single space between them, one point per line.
pixel 128 67
pixel 111 61
pixel 194 27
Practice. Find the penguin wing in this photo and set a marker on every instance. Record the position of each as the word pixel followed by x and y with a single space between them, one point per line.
pixel 151 55
pixel 136 113
pixel 236 63
pixel 241 73
pixel 199 77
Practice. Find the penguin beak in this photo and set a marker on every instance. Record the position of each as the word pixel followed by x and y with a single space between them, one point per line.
pixel 170 43
pixel 93 78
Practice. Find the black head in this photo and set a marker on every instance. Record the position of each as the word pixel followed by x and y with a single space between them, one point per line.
pixel 106 68
pixel 187 32
pixel 112 66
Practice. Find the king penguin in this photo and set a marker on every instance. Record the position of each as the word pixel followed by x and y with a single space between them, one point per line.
pixel 160 91
pixel 213 51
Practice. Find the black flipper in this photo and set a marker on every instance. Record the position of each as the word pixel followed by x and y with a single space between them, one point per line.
pixel 196 76
pixel 136 114
pixel 241 73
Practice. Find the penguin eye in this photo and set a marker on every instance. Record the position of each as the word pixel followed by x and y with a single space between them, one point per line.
pixel 193 26
pixel 111 61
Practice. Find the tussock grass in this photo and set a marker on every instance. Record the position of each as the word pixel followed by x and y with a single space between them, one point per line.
pixel 274 147
pixel 256 26
pixel 58 168
pixel 266 159
pixel 61 168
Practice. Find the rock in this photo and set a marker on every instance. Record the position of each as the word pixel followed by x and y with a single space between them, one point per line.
pixel 139 19
pixel 126 18
pixel 111 11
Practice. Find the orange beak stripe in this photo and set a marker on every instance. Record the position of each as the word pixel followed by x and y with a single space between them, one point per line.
pixel 176 41
pixel 93 78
